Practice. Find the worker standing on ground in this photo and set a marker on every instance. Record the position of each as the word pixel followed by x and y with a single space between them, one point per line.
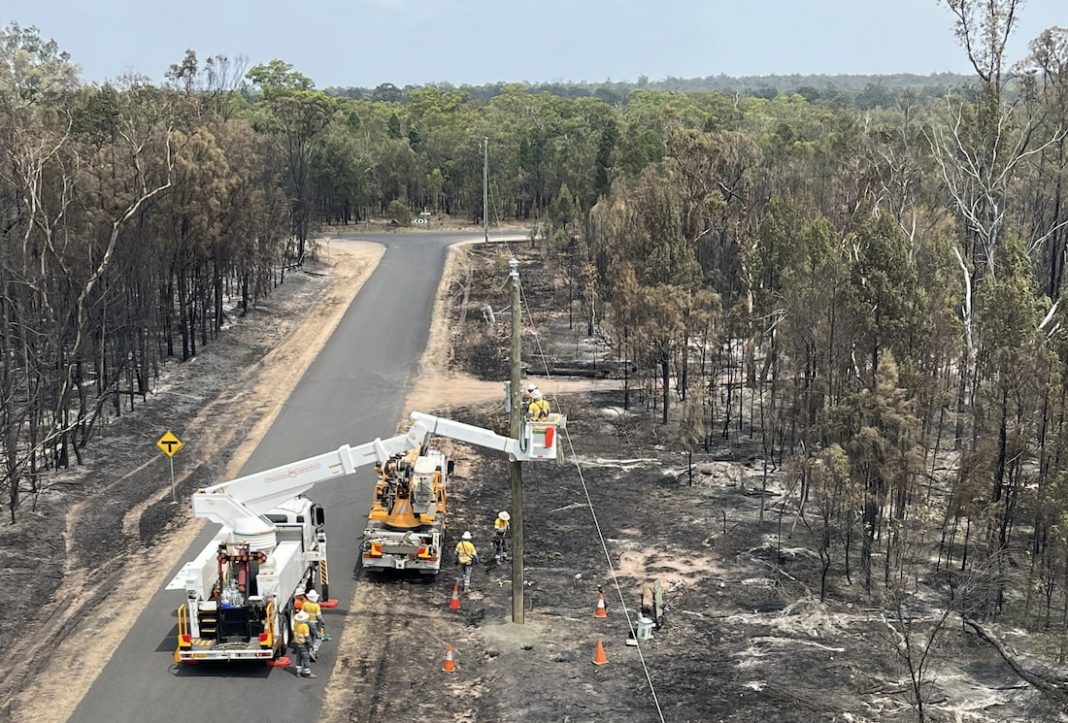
pixel 315 621
pixel 301 644
pixel 466 557
pixel 538 411
pixel 500 536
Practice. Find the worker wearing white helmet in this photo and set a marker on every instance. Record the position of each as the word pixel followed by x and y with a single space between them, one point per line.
pixel 538 411
pixel 301 644
pixel 315 620
pixel 501 526
pixel 466 557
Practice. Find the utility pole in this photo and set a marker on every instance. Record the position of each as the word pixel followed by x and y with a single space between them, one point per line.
pixel 485 189
pixel 515 469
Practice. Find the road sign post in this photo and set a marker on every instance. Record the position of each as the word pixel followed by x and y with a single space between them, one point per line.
pixel 169 444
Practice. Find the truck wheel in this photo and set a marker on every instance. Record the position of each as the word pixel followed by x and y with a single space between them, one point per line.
pixel 283 620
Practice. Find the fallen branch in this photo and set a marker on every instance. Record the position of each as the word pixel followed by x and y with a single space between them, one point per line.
pixel 1052 684
pixel 782 572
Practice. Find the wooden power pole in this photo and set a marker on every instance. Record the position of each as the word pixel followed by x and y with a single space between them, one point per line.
pixel 515 468
pixel 485 190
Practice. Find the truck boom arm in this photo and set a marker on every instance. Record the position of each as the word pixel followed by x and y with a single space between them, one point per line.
pixel 238 504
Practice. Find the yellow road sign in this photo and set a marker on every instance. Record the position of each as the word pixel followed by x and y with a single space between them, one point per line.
pixel 169 444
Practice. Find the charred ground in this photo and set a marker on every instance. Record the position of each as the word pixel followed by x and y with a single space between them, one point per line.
pixel 746 637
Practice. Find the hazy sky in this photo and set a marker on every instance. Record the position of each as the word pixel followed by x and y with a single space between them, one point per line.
pixel 367 42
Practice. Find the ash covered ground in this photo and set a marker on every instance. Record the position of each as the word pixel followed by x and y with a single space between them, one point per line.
pixel 745 637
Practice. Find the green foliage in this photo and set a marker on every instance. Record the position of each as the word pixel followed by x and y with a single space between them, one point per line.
pixel 34 70
pixel 564 209
pixel 838 90
pixel 278 76
pixel 1008 312
pixel 400 213
pixel 884 296
pixel 394 126
pixel 672 262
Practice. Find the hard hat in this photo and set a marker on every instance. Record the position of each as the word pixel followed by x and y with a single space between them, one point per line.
pixel 531 387
pixel 536 394
pixel 302 617
pixel 312 595
pixel 465 536
pixel 504 516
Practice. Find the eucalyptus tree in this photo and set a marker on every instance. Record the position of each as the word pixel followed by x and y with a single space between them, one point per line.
pixel 297 115
pixel 1012 348
pixel 1044 214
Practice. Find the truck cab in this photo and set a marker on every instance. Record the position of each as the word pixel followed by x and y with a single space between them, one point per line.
pixel 301 514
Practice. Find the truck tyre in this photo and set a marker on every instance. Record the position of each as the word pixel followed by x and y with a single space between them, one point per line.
pixel 283 637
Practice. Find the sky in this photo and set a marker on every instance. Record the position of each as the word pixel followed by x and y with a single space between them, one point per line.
pixel 368 42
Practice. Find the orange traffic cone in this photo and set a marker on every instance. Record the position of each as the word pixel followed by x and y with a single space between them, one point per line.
pixel 600 612
pixel 448 666
pixel 600 658
pixel 454 604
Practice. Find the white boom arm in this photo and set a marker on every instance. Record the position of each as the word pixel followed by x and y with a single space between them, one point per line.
pixel 238 504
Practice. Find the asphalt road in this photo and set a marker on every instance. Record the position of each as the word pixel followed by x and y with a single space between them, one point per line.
pixel 353 392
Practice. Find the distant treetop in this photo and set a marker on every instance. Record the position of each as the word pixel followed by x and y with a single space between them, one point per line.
pixel 865 91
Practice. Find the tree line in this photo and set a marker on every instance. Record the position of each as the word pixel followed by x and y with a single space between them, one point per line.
pixel 862 91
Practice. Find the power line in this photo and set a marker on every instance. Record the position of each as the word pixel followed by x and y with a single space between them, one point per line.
pixel 596 524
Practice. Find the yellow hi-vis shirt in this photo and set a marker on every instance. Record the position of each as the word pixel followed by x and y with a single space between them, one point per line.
pixel 466 552
pixel 499 524
pixel 300 633
pixel 312 609
pixel 538 410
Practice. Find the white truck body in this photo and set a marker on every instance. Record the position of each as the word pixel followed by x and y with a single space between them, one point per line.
pixel 286 571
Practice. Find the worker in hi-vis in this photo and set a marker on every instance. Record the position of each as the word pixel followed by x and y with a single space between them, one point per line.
pixel 501 527
pixel 315 621
pixel 301 644
pixel 466 557
pixel 538 411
